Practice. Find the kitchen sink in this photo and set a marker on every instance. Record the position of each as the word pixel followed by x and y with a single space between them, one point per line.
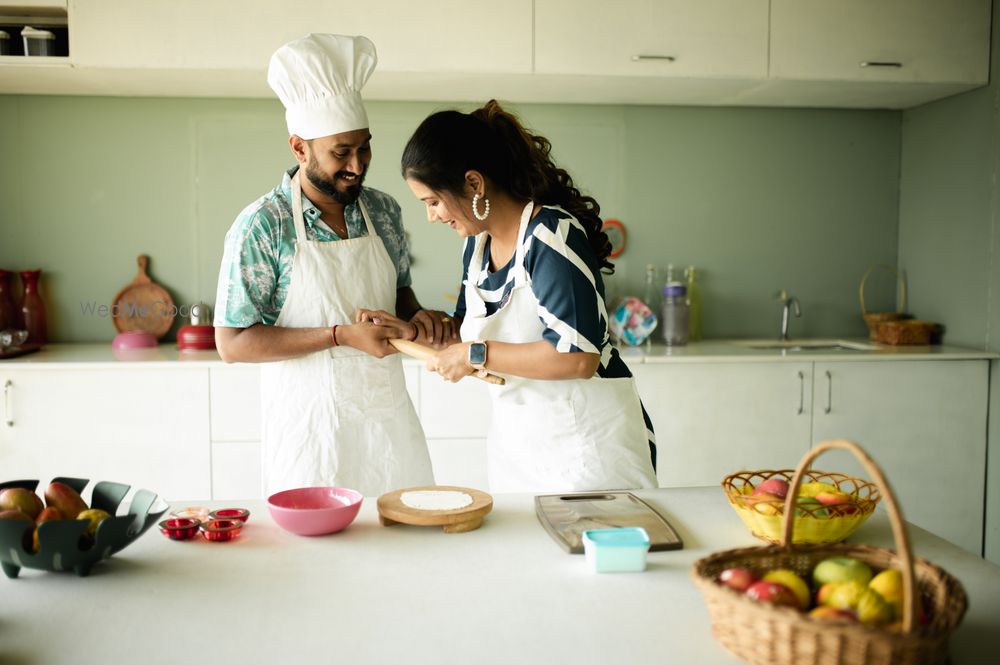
pixel 807 345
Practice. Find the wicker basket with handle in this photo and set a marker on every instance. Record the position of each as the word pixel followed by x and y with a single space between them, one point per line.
pixel 873 319
pixel 771 635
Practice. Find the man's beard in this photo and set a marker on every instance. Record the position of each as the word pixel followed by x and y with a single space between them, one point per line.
pixel 329 186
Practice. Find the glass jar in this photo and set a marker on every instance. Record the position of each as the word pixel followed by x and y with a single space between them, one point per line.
pixel 674 322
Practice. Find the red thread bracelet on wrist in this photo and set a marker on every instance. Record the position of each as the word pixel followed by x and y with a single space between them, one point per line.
pixel 333 334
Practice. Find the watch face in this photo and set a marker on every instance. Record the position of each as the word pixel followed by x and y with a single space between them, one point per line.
pixel 477 353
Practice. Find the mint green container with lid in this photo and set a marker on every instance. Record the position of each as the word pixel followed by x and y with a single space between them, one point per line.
pixel 620 550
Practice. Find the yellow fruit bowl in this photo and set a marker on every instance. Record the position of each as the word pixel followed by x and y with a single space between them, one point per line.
pixel 815 521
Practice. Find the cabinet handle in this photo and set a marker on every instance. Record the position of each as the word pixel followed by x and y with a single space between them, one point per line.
pixel 639 57
pixel 829 392
pixel 876 63
pixel 8 390
pixel 802 392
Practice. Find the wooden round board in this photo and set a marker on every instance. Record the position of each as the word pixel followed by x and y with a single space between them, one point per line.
pixel 143 305
pixel 392 510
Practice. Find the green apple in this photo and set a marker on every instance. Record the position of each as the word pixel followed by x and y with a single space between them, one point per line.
pixel 810 506
pixel 841 569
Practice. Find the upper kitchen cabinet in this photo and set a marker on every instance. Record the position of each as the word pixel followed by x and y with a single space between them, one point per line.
pixel 874 53
pixel 454 36
pixel 651 38
pixel 890 54
pixel 221 48
pixel 922 41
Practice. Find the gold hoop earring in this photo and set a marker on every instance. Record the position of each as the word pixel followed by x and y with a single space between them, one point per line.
pixel 475 208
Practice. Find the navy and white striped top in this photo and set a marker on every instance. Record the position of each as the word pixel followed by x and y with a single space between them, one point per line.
pixel 566 279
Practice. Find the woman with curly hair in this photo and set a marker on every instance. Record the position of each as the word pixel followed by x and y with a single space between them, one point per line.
pixel 531 306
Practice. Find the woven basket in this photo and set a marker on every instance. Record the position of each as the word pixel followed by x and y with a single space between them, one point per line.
pixel 910 331
pixel 765 518
pixel 872 319
pixel 769 635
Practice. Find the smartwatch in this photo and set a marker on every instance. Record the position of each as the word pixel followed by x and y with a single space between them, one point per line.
pixel 477 355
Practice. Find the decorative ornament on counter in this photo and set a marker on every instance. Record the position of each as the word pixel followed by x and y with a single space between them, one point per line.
pixel 33 308
pixel 632 321
pixel 143 305
pixel 10 314
pixel 200 333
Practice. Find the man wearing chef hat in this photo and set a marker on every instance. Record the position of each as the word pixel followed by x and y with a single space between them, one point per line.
pixel 308 275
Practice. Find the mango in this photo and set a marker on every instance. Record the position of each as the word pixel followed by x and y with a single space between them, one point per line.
pixel 812 489
pixel 21 517
pixel 49 514
pixel 832 614
pixel 791 580
pixel 65 498
pixel 825 591
pixel 20 498
pixel 847 596
pixel 95 516
pixel 889 585
pixel 873 609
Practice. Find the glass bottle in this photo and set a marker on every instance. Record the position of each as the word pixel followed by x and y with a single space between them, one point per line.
pixel 651 297
pixel 33 308
pixel 674 322
pixel 651 292
pixel 10 314
pixel 694 304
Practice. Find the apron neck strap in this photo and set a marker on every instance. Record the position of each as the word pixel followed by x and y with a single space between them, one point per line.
pixel 476 263
pixel 521 232
pixel 300 225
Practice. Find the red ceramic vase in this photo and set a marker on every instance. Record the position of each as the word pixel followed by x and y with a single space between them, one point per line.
pixel 33 308
pixel 10 313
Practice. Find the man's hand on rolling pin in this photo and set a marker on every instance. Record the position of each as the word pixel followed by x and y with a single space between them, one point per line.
pixel 372 331
pixel 452 362
pixel 435 328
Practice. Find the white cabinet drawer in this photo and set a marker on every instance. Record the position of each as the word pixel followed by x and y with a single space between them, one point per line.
pixel 234 391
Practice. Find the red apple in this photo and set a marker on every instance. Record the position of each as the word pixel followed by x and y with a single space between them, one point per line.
pixel 739 579
pixel 766 503
pixel 773 593
pixel 775 486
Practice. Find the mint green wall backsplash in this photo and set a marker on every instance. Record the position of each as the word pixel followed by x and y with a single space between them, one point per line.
pixel 758 199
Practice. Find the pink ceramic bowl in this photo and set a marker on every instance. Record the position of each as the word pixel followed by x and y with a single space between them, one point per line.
pixel 133 339
pixel 314 511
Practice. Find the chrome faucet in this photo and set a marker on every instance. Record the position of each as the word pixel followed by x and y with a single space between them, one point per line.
pixel 787 303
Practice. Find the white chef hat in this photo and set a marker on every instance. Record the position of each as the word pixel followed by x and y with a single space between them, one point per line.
pixel 319 79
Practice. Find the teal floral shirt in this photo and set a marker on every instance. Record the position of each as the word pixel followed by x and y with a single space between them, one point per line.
pixel 257 258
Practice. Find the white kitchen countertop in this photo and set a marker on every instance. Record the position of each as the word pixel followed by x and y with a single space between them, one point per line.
pixel 68 356
pixel 505 593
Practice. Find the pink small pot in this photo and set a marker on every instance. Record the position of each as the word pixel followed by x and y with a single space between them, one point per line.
pixel 133 339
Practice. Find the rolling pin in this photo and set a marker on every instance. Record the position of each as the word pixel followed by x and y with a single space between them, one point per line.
pixel 424 352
